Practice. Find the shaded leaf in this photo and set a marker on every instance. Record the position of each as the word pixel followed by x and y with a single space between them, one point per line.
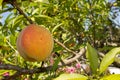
pixel 1 39
pixel 92 57
pixel 55 65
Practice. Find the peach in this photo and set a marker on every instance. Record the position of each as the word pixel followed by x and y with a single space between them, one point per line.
pixel 35 43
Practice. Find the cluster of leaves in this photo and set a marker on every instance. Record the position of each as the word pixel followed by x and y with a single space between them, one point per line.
pixel 97 70
pixel 72 22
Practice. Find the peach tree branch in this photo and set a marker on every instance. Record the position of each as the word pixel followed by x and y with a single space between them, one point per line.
pixel 62 45
pixel 15 5
pixel 22 71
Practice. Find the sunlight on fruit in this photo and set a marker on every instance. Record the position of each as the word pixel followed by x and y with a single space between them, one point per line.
pixel 35 43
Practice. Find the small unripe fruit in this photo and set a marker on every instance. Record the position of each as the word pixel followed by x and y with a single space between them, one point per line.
pixel 35 43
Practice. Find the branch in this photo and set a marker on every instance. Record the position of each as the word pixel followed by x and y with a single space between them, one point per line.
pixel 22 71
pixel 71 60
pixel 61 44
pixel 15 5
pixel 11 46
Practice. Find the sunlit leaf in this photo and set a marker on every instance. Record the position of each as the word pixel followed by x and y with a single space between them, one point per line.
pixel 43 1
pixel 111 77
pixel 40 19
pixel 108 59
pixel 1 4
pixel 56 27
pixel 17 21
pixel 71 77
pixel 35 11
pixel 13 40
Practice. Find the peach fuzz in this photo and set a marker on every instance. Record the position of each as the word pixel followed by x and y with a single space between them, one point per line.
pixel 35 43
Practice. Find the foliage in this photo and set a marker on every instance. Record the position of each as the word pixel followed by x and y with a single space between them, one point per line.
pixel 74 23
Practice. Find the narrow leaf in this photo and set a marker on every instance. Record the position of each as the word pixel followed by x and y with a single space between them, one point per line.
pixel 55 65
pixel 108 59
pixel 44 16
pixel 92 57
pixel 57 26
pixel 1 4
pixel 17 21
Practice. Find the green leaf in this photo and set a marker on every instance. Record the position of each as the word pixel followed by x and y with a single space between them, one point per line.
pixel 92 57
pixel 40 19
pixel 35 11
pixel 108 59
pixel 18 21
pixel 57 26
pixel 1 4
pixel 111 77
pixel 13 40
pixel 43 1
pixel 6 61
pixel 55 65
pixel 71 77
pixel 44 16
pixel 1 39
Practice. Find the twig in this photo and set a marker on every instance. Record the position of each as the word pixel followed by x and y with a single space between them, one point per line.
pixel 77 55
pixel 59 43
pixel 71 60
pixel 11 46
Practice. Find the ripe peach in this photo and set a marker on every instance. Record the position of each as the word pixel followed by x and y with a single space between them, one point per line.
pixel 35 43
